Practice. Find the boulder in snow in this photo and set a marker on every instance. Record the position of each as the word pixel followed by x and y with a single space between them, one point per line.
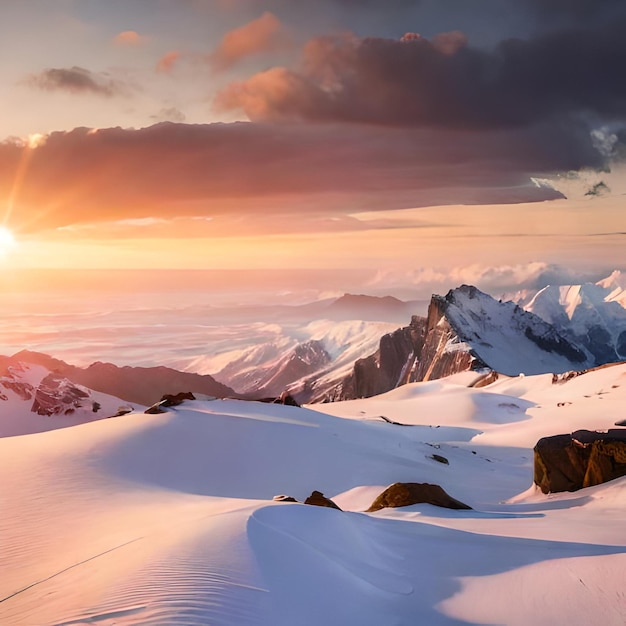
pixel 582 459
pixel 406 494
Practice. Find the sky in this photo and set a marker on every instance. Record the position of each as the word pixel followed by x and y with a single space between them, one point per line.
pixel 424 140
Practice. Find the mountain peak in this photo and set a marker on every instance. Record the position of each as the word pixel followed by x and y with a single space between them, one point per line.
pixel 615 280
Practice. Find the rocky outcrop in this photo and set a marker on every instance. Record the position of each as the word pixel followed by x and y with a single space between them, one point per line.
pixel 581 459
pixel 317 498
pixel 169 400
pixel 406 494
pixel 58 396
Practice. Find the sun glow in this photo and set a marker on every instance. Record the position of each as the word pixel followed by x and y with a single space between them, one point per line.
pixel 7 240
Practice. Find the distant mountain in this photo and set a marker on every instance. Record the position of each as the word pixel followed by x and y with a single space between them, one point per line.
pixel 371 308
pixel 140 385
pixel 591 315
pixel 274 377
pixel 305 361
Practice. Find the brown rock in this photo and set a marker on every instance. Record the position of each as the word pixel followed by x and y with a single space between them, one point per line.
pixel 405 494
pixel 582 459
pixel 317 498
pixel 169 400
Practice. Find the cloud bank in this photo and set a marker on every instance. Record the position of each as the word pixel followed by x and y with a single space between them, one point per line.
pixel 443 82
pixel 169 170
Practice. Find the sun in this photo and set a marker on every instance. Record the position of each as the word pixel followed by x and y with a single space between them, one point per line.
pixel 7 240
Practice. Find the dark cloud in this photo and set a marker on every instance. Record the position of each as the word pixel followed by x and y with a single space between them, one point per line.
pixel 171 170
pixel 76 80
pixel 445 82
pixel 577 9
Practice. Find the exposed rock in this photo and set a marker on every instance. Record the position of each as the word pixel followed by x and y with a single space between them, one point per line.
pixel 581 459
pixel 406 494
pixel 317 498
pixel 440 459
pixel 443 353
pixel 284 498
pixel 169 400
pixel 58 396
pixel 286 399
pixel 11 379
pixel 389 367
pixel 485 379
pixel 23 389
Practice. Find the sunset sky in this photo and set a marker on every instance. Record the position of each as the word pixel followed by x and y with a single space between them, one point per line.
pixel 421 139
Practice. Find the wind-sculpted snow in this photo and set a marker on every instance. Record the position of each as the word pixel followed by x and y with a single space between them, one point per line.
pixel 169 519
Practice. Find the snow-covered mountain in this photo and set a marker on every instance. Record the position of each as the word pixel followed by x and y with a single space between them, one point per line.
pixel 34 399
pixel 503 336
pixel 465 330
pixel 305 361
pixel 591 315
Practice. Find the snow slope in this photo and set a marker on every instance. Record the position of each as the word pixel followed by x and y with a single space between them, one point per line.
pixel 168 519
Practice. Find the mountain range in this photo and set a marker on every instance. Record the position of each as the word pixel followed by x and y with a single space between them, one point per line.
pixel 554 330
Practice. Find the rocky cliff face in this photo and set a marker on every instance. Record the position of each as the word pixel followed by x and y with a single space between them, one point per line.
pixel 389 367
pixel 443 352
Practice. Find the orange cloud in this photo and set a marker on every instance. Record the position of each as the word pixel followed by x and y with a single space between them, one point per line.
pixel 177 170
pixel 129 38
pixel 167 61
pixel 265 34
